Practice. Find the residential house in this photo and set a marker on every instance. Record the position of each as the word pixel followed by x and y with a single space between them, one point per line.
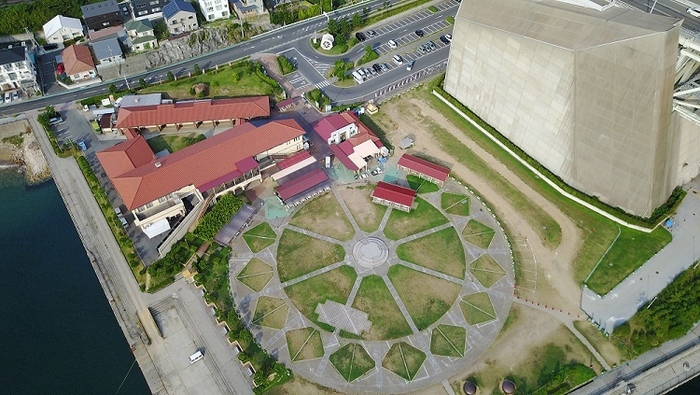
pixel 248 8
pixel 61 28
pixel 140 34
pixel 78 63
pixel 148 9
pixel 180 17
pixel 101 15
pixel 424 169
pixel 17 69
pixel 195 113
pixel 214 9
pixel 107 52
pixel 162 191
pixel 349 139
pixel 393 196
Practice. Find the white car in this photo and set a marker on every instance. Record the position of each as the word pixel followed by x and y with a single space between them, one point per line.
pixel 392 44
pixel 8 97
pixel 694 12
pixel 398 59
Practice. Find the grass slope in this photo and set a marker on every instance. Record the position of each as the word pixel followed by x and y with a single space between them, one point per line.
pixel 323 215
pixel 402 224
pixel 441 251
pixel 299 254
pixel 256 274
pixel 373 297
pixel 260 237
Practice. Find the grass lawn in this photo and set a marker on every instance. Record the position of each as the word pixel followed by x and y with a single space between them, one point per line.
pixel 486 270
pixel 626 255
pixel 420 185
pixel 455 203
pixel 404 360
pixel 304 344
pixel 424 217
pixel 448 341
pixel 256 274
pixel 323 215
pixel 477 308
pixel 299 254
pixel 334 285
pixel 234 81
pixel 346 83
pixel 352 361
pixel 270 312
pixel 441 251
pixel 478 234
pixel 367 215
pixel 426 298
pixel 373 297
pixel 173 142
pixel 260 237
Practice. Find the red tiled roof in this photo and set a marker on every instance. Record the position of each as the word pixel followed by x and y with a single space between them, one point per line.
pixel 200 164
pixel 343 157
pixel 106 121
pixel 325 126
pixel 394 193
pixel 125 156
pixel 294 159
pixel 424 167
pixel 299 185
pixel 194 111
pixel 77 59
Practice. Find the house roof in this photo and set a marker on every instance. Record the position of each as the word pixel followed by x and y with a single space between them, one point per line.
pixel 125 156
pixel 326 126
pixel 107 48
pixel 108 32
pixel 394 193
pixel 58 22
pixel 424 167
pixel 13 55
pixel 141 26
pixel 150 99
pixel 101 8
pixel 77 59
pixel 564 25
pixel 351 151
pixel 194 111
pixel 216 159
pixel 301 184
pixel 105 121
pixel 175 6
pixel 294 159
pixel 143 39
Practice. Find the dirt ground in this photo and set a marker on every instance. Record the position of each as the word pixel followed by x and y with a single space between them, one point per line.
pixel 367 215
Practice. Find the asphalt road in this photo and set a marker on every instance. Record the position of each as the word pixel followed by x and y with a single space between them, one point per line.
pixel 293 36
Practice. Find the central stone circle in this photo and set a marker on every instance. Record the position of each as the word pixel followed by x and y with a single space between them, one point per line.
pixel 370 252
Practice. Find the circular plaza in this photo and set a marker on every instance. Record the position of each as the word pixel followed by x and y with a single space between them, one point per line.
pixel 359 297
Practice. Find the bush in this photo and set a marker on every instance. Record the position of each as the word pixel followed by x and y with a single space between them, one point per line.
pixel 450 19
pixel 369 55
pixel 285 65
pixel 316 96
pixel 218 216
pixel 432 8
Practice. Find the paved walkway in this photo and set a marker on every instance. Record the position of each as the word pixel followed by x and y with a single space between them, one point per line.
pixel 620 304
pixel 436 368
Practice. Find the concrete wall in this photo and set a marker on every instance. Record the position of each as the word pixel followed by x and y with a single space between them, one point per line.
pixel 688 163
pixel 182 228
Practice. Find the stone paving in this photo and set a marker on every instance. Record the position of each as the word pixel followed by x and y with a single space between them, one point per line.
pixel 373 254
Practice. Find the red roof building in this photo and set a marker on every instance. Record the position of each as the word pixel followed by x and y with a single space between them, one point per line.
pixel 229 157
pixel 298 186
pixel 393 196
pixel 422 168
pixel 196 112
pixel 349 139
pixel 78 63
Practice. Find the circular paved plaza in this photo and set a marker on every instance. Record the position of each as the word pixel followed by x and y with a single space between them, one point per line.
pixel 362 298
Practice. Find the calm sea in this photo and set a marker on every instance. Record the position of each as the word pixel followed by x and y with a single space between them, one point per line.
pixel 57 332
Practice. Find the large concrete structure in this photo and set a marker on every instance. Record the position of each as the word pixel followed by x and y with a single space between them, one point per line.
pixel 587 92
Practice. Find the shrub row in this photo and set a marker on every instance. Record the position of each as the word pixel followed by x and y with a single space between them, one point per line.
pixel 218 216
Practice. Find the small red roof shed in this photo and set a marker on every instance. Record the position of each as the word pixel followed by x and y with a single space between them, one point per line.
pixel 394 193
pixel 424 168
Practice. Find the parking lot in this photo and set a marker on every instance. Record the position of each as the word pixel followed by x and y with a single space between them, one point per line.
pixel 419 16
pixel 410 37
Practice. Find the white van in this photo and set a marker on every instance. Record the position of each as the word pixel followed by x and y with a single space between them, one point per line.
pixel 196 357
pixel 694 12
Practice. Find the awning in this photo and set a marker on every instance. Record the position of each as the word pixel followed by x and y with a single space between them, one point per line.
pixel 156 228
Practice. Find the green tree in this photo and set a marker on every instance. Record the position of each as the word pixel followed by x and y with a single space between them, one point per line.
pixel 170 76
pixel 113 89
pixel 197 70
pixel 357 20
pixel 142 83
pixel 160 30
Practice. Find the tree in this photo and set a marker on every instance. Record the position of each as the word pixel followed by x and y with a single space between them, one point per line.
pixel 357 20
pixel 113 89
pixel 170 76
pixel 160 30
pixel 197 70
pixel 365 11
pixel 142 83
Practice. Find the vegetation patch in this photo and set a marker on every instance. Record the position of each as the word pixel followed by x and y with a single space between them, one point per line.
pixel 625 256
pixel 318 99
pixel 270 312
pixel 173 143
pixel 369 55
pixel 373 297
pixel 420 185
pixel 423 217
pixel 352 361
pixel 256 274
pixel 440 251
pixel 304 344
pixel 367 215
pixel 455 203
pixel 334 285
pixel 427 298
pixel 432 8
pixel 477 308
pixel 478 234
pixel 448 341
pixel 299 254
pixel 404 360
pixel 486 270
pixel 285 65
pixel 218 216
pixel 323 215
pixel 260 237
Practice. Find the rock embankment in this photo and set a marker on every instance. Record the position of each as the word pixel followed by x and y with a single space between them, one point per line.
pixel 19 147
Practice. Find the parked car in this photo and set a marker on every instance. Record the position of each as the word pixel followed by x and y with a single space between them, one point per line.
pixel 15 95
pixel 398 59
pixel 8 97
pixel 360 36
pixel 392 44
pixel 420 33
pixel 410 65
pixel 432 45
pixel 55 121
pixel 377 67
pixel 371 33
pixel 694 12
pixel 448 37
pixel 384 66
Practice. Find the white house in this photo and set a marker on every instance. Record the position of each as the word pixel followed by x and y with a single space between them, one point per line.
pixel 180 17
pixel 62 28
pixel 214 9
pixel 16 69
pixel 141 36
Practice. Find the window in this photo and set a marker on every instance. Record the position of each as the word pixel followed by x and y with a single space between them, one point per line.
pixel 105 23
pixel 210 17
pixel 144 12
pixel 154 2
pixel 190 17
pixel 156 9
pixel 224 14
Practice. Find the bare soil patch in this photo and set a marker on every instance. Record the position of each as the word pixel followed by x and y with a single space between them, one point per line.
pixel 358 199
pixel 256 274
pixel 270 312
pixel 304 344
